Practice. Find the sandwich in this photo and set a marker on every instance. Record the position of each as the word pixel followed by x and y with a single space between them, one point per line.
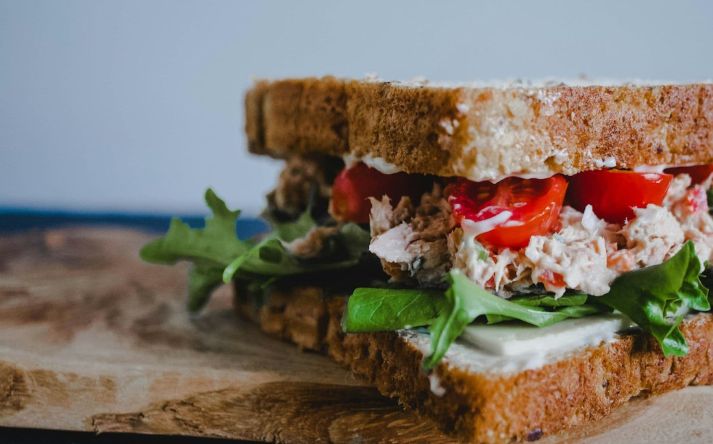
pixel 510 259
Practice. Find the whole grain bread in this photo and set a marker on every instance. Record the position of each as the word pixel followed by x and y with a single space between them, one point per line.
pixel 484 132
pixel 582 387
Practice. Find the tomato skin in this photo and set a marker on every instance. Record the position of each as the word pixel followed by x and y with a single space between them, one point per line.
pixel 698 173
pixel 354 186
pixel 614 193
pixel 552 280
pixel 534 205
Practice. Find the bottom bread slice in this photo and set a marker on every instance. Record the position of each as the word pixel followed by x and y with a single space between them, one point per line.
pixel 580 387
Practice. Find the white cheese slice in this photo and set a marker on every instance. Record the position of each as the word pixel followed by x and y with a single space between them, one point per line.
pixel 518 339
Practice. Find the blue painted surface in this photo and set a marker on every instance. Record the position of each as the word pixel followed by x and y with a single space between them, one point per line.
pixel 13 220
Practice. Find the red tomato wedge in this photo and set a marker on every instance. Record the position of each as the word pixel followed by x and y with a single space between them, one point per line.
pixel 698 173
pixel 354 186
pixel 614 193
pixel 534 206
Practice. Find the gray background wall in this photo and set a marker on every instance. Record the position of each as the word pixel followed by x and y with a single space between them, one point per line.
pixel 137 105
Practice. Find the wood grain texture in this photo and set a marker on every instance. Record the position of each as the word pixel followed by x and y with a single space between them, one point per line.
pixel 93 339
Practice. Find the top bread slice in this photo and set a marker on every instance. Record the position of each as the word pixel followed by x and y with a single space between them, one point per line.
pixel 483 132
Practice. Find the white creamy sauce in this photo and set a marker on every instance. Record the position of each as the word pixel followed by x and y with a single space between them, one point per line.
pixel 378 163
pixel 660 168
pixel 650 168
pixel 520 339
pixel 607 162
pixel 473 228
pixel 514 348
pixel 496 177
pixel 435 384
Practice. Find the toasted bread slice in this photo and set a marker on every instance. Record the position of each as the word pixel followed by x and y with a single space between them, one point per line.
pixel 481 132
pixel 582 386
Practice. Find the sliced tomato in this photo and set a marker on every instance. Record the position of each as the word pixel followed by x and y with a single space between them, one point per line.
pixel 698 173
pixel 354 186
pixel 613 194
pixel 533 206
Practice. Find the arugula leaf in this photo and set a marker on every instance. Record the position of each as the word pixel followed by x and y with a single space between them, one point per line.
pixel 549 300
pixel 466 301
pixel 201 283
pixel 289 231
pixel 373 309
pixel 574 305
pixel 210 249
pixel 214 245
pixel 654 297
pixel 270 257
pixel 380 309
pixel 218 255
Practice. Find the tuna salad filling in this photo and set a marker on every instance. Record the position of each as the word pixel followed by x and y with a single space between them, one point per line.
pixel 586 253
pixel 536 251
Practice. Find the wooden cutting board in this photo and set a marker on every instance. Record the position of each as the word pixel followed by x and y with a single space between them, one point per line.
pixel 93 339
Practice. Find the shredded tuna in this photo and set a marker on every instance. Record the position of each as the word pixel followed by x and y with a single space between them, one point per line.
pixel 578 256
pixel 384 217
pixel 302 179
pixel 312 244
pixel 574 257
pixel 420 244
pixel 691 210
pixel 412 242
pixel 653 235
pixel 587 254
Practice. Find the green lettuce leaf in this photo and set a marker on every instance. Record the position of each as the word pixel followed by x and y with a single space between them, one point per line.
pixel 202 280
pixel 270 257
pixel 289 231
pixel 575 305
pixel 218 255
pixel 384 309
pixel 549 300
pixel 466 301
pixel 214 245
pixel 210 249
pixel 656 297
pixel 378 309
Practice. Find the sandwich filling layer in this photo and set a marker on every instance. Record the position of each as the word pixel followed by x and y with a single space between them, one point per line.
pixel 545 252
pixel 586 253
pixel 450 258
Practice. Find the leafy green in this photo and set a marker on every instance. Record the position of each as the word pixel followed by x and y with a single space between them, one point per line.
pixel 289 231
pixel 216 244
pixel 466 301
pixel 210 249
pixel 373 309
pixel 218 255
pixel 549 300
pixel 656 297
pixel 380 309
pixel 574 305
pixel 270 257
pixel 202 281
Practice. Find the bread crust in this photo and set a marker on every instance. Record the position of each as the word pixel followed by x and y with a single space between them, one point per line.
pixel 484 133
pixel 489 408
